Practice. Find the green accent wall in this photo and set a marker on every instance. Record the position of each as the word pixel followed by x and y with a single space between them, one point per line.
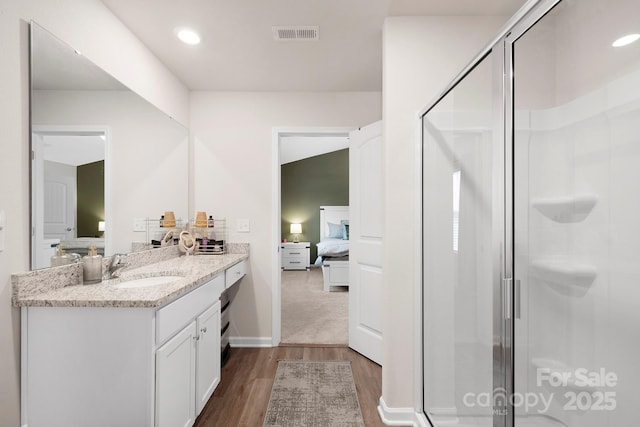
pixel 308 184
pixel 90 198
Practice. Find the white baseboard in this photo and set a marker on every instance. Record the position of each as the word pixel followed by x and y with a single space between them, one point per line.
pixel 250 342
pixel 396 416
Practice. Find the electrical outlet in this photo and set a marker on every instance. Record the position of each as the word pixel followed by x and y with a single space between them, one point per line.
pixel 139 224
pixel 242 226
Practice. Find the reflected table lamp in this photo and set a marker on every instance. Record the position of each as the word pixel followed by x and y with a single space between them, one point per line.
pixel 101 227
pixel 296 230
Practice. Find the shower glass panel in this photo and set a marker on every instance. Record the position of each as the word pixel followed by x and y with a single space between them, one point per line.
pixel 460 268
pixel 576 216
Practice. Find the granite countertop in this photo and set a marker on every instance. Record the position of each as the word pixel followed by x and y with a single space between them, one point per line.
pixel 196 270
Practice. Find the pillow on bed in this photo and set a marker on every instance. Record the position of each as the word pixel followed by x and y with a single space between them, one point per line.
pixel 345 229
pixel 335 231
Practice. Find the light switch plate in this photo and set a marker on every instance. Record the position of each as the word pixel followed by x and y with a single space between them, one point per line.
pixel 243 226
pixel 139 224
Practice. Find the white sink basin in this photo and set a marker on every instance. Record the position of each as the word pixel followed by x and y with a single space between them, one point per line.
pixel 147 282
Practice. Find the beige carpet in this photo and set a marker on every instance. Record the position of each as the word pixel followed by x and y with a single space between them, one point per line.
pixel 313 394
pixel 310 315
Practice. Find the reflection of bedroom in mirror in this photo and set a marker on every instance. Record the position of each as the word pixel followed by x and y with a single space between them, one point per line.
pixel 68 184
pixel 314 195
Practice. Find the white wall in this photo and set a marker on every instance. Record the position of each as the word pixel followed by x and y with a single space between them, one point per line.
pixel 91 27
pixel 421 56
pixel 232 134
pixel 149 154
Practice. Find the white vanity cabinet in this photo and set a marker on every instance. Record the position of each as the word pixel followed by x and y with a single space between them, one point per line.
pixel 207 355
pixel 108 366
pixel 188 370
pixel 175 379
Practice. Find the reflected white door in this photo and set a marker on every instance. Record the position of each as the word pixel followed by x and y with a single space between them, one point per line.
pixel 59 207
pixel 365 252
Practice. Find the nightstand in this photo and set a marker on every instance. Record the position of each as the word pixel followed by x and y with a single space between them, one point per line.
pixel 295 256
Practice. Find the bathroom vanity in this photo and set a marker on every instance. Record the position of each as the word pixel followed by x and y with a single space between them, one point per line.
pixel 128 351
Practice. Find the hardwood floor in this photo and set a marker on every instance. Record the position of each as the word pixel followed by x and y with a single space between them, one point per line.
pixel 242 396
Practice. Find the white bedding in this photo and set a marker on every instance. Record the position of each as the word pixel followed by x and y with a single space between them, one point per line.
pixel 333 247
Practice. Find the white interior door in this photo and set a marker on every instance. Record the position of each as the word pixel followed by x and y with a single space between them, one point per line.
pixel 59 207
pixel 365 233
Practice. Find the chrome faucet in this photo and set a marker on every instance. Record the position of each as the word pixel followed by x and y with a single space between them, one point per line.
pixel 116 264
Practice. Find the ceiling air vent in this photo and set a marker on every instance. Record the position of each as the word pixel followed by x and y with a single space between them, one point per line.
pixel 296 33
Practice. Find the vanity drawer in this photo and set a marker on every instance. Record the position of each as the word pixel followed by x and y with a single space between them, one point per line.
pixel 235 273
pixel 173 317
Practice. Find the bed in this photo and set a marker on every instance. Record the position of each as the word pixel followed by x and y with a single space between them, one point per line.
pixel 333 248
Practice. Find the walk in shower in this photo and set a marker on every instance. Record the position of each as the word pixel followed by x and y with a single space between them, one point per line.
pixel 531 226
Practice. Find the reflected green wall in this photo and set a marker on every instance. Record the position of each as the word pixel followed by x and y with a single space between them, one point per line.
pixel 90 198
pixel 308 184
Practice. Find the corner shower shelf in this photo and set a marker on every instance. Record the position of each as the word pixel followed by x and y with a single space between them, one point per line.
pixel 565 277
pixel 566 209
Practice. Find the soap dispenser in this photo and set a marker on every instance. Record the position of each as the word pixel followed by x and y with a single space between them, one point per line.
pixel 92 266
pixel 61 257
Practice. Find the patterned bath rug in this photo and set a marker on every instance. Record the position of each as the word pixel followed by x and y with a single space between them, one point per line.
pixel 313 394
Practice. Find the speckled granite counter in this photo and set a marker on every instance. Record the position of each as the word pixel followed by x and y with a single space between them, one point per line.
pixel 59 286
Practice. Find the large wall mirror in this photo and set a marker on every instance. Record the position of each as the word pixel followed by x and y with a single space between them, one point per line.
pixel 104 159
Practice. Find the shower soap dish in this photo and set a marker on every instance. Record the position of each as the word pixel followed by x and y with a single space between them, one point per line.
pixel 566 209
pixel 565 277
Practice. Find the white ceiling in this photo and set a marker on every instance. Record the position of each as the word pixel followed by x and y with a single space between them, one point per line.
pixel 294 148
pixel 74 150
pixel 238 53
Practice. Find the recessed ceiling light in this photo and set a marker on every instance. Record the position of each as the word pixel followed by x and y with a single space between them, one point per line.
pixel 187 35
pixel 628 39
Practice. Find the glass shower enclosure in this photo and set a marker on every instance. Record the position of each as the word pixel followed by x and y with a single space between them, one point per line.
pixel 531 237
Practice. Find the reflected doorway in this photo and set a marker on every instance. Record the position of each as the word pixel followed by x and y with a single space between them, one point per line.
pixel 68 191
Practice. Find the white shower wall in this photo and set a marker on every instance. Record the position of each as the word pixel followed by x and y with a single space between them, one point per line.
pixel 584 152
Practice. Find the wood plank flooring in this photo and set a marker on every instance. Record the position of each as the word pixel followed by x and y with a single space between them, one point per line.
pixel 242 396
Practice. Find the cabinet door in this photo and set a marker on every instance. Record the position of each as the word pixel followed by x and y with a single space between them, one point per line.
pixel 175 375
pixel 208 355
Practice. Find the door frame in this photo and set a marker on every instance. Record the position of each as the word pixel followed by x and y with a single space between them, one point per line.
pixel 276 283
pixel 46 130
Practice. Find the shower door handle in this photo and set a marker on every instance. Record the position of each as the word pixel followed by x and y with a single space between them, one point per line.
pixel 511 306
pixel 516 298
pixel 506 301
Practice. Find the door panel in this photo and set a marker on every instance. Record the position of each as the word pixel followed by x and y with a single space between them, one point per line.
pixel 175 375
pixel 462 236
pixel 208 355
pixel 365 235
pixel 59 207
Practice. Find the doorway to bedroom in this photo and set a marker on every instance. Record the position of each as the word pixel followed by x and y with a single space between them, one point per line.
pixel 314 173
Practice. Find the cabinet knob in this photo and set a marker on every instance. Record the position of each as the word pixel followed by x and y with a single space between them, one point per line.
pixel 196 338
pixel 203 330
